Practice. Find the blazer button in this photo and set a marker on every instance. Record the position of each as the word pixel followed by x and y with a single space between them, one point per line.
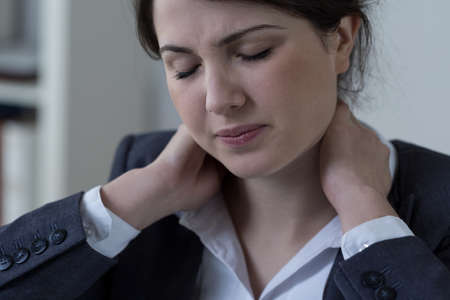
pixel 372 279
pixel 21 256
pixel 385 293
pixel 5 262
pixel 38 246
pixel 58 236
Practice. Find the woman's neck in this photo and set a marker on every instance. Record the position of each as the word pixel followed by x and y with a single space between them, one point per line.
pixel 289 206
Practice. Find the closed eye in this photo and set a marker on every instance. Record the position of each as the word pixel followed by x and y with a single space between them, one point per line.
pixel 261 55
pixel 251 58
pixel 183 75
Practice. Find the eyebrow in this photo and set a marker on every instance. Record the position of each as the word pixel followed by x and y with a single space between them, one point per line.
pixel 225 41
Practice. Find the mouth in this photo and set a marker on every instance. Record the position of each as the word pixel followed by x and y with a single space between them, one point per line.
pixel 240 136
pixel 238 130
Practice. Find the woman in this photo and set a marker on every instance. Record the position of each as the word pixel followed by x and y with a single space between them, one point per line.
pixel 271 189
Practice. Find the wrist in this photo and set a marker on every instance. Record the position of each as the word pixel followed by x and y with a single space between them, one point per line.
pixel 361 206
pixel 135 198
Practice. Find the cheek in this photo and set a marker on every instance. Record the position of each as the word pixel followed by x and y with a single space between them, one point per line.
pixel 299 95
pixel 293 83
pixel 189 103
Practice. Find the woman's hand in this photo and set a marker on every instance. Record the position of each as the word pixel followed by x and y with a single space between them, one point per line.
pixel 354 170
pixel 183 177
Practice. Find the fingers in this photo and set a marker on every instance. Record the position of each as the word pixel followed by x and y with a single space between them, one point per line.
pixel 344 110
pixel 183 151
pixel 213 170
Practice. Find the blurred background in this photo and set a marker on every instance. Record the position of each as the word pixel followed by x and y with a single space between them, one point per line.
pixel 74 81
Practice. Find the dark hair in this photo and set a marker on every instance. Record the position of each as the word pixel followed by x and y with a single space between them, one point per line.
pixel 324 15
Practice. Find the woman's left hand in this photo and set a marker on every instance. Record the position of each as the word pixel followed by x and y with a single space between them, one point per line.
pixel 354 170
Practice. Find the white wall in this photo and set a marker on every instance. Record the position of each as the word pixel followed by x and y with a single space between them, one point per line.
pixel 411 99
pixel 114 89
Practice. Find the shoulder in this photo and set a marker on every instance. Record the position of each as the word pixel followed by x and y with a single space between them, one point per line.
pixel 427 169
pixel 423 185
pixel 138 150
pixel 147 146
pixel 422 156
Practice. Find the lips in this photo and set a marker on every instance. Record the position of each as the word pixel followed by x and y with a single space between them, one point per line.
pixel 238 130
pixel 241 136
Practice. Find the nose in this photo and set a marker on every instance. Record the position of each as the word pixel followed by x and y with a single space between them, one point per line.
pixel 224 95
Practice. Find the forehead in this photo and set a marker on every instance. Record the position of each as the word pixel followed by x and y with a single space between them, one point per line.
pixel 193 21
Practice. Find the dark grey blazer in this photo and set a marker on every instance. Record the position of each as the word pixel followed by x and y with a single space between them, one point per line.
pixel 45 255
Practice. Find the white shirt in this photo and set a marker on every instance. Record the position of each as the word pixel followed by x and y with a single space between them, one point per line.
pixel 223 273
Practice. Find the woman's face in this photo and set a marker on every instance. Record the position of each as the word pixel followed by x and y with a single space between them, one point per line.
pixel 231 64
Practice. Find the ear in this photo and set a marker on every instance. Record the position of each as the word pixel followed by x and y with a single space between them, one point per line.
pixel 346 35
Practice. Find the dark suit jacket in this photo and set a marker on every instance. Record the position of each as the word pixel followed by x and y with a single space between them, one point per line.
pixel 162 262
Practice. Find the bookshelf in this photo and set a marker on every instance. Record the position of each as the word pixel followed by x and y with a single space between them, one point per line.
pixel 19 93
pixel 94 85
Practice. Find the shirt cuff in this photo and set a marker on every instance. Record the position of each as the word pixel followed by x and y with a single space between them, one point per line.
pixel 371 232
pixel 106 232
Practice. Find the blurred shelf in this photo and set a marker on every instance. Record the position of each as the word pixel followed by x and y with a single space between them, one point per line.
pixel 19 93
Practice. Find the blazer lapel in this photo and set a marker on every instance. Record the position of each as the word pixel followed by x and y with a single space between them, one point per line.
pixel 161 263
pixel 183 264
pixel 331 291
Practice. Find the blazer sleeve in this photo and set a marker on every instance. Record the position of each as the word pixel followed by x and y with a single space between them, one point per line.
pixel 401 268
pixel 44 253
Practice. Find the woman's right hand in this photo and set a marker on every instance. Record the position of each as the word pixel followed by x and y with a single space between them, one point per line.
pixel 183 177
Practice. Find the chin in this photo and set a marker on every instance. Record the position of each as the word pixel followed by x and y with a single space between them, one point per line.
pixel 250 169
pixel 264 164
